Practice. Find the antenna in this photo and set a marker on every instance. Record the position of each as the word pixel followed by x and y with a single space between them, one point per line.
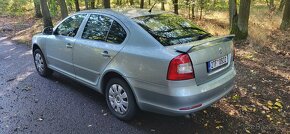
pixel 152 7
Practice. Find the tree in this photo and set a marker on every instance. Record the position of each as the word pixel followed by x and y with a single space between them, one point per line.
pixel 77 5
pixel 232 11
pixel 37 9
pixel 46 15
pixel 282 3
pixel 162 6
pixel 175 5
pixel 271 5
pixel 141 3
pixel 239 22
pixel 106 3
pixel 201 6
pixel 192 9
pixel 63 8
pixel 131 2
pixel 87 4
pixel 93 4
pixel 286 16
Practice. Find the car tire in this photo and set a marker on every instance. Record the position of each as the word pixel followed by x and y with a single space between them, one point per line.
pixel 40 64
pixel 120 99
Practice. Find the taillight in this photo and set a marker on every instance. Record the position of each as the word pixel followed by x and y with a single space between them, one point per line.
pixel 180 68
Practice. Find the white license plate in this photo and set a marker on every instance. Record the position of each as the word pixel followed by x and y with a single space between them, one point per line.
pixel 217 63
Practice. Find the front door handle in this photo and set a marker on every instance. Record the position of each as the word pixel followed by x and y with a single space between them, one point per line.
pixel 105 54
pixel 68 45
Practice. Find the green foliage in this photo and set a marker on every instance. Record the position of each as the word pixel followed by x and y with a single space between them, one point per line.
pixel 52 5
pixel 14 7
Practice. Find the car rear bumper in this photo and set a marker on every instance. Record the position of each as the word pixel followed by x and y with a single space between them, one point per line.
pixel 177 95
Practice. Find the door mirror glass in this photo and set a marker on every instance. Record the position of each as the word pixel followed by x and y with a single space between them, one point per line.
pixel 47 31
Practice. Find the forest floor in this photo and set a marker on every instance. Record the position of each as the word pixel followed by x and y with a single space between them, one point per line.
pixel 260 101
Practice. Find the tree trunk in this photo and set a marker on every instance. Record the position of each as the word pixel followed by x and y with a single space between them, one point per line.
pixel 243 20
pixel 233 16
pixel 63 8
pixel 149 3
pixel 106 3
pixel 232 10
pixel 77 5
pixel 175 4
pixel 141 3
pixel 87 4
pixel 46 15
pixel 282 3
pixel 131 2
pixel 286 16
pixel 162 6
pixel 93 2
pixel 188 6
pixel 239 22
pixel 201 8
pixel 192 9
pixel 37 8
pixel 272 6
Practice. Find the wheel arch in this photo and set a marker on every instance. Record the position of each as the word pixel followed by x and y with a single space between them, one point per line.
pixel 35 46
pixel 115 74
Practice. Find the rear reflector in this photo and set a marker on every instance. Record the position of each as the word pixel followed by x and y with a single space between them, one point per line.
pixel 180 68
pixel 192 107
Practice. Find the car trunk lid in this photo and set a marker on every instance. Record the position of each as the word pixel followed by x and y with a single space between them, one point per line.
pixel 210 57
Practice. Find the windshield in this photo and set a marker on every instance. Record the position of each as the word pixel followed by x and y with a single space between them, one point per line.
pixel 170 29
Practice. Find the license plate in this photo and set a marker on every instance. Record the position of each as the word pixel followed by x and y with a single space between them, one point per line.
pixel 211 65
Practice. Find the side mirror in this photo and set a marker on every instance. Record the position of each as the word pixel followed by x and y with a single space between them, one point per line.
pixel 47 31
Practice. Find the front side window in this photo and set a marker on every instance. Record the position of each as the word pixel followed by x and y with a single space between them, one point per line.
pixel 171 29
pixel 117 33
pixel 97 27
pixel 71 25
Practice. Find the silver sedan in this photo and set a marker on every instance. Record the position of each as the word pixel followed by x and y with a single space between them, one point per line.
pixel 154 61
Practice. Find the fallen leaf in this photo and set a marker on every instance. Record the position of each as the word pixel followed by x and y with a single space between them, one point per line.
pixel 244 108
pixel 219 127
pixel 279 104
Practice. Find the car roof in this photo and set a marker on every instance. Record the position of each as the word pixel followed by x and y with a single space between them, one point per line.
pixel 131 13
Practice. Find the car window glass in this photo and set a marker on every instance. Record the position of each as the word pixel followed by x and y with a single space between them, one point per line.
pixel 71 25
pixel 97 27
pixel 117 34
pixel 171 29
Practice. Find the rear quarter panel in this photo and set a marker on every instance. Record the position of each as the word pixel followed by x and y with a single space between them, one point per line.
pixel 142 57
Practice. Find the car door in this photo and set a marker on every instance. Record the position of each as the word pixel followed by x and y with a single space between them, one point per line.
pixel 59 46
pixel 101 40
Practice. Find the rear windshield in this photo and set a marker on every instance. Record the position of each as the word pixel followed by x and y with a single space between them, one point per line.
pixel 170 29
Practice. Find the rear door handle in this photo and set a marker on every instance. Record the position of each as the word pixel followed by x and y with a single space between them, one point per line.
pixel 105 54
pixel 68 45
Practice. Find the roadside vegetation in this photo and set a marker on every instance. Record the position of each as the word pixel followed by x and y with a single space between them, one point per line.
pixel 260 102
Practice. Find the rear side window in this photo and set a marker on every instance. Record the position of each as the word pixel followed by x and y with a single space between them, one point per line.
pixel 71 25
pixel 117 33
pixel 97 27
pixel 170 29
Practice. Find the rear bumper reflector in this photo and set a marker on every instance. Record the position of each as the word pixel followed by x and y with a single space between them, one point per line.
pixel 192 107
